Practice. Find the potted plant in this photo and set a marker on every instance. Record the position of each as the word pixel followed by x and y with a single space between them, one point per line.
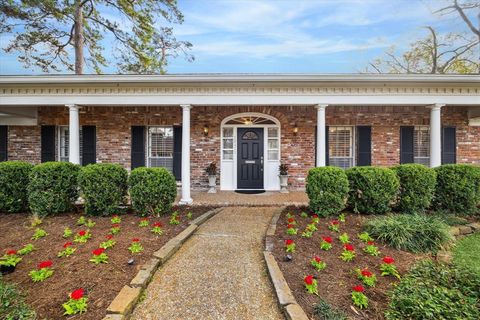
pixel 212 177
pixel 283 168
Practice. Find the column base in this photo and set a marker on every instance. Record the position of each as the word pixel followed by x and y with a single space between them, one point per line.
pixel 184 202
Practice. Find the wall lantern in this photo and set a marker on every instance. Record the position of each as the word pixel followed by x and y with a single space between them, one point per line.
pixel 205 130
pixel 295 129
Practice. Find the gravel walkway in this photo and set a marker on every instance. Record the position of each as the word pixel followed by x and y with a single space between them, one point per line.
pixel 219 273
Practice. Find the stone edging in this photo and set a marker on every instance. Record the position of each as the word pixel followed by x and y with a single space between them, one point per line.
pixel 125 301
pixel 445 254
pixel 287 302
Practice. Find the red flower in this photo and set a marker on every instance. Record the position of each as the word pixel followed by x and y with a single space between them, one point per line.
pixel 110 237
pixel 81 233
pixel 291 220
pixel 308 280
pixel 290 226
pixel 288 242
pixel 67 244
pixel 358 289
pixel 115 216
pixel 45 264
pixel 115 225
pixel 327 239
pixel 11 252
pixel 77 294
pixel 157 224
pixel 317 259
pixel 370 243
pixel 315 216
pixel 135 240
pixel 98 251
pixel 366 273
pixel 144 219
pixel 388 260
pixel 349 247
pixel 334 222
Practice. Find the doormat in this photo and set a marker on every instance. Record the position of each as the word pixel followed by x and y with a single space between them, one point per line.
pixel 250 191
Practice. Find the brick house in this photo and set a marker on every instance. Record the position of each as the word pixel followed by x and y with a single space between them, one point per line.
pixel 247 123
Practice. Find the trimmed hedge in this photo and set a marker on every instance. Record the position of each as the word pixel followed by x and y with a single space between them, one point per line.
pixel 327 189
pixel 458 188
pixel 372 189
pixel 14 178
pixel 104 188
pixel 417 187
pixel 53 187
pixel 152 190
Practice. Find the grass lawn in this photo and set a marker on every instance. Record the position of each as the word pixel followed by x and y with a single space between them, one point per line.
pixel 467 252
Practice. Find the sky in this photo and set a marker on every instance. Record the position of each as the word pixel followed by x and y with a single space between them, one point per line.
pixel 288 36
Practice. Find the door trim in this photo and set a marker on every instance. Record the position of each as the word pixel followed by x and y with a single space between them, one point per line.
pixel 261 140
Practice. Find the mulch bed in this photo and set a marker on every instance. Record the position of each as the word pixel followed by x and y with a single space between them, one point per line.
pixel 101 282
pixel 335 283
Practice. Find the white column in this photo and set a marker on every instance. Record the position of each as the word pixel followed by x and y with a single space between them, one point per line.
pixel 73 134
pixel 186 199
pixel 435 135
pixel 321 142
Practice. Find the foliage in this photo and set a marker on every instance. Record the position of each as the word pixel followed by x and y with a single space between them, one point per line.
pixel 283 169
pixel 67 251
pixel 348 253
pixel 388 267
pixel 466 253
pixel 43 272
pixel 26 249
pixel 39 233
pixel 115 229
pixel 415 233
pixel 14 178
pixel 10 259
pixel 143 223
pixel 318 264
pixel 157 228
pixel 344 238
pixel 82 236
pixel 367 277
pixel 334 225
pixel 109 243
pixel 12 304
pixel 326 243
pixel 327 190
pixel 174 220
pixel 153 190
pixel 81 221
pixel 417 187
pixel 372 189
pixel 99 256
pixel 115 219
pixel 436 291
pixel 359 298
pixel 104 187
pixel 135 246
pixel 290 246
pixel 365 237
pixel 311 284
pixel 53 187
pixel 77 303
pixel 371 249
pixel 67 232
pixel 211 169
pixel 458 188
pixel 324 311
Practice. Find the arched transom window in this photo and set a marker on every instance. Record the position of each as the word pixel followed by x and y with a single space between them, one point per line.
pixel 249 120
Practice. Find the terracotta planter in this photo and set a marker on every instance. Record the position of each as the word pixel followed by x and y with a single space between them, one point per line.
pixel 212 183
pixel 283 183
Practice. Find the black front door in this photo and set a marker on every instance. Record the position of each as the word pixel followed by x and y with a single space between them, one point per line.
pixel 250 158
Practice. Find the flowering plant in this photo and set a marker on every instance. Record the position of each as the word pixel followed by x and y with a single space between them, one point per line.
pixel 304 214
pixel 174 219
pixel 291 221
pixel 326 243
pixel 115 219
pixel 290 245
pixel 109 243
pixel 359 298
pixel 307 233
pixel 365 237
pixel 157 228
pixel 135 246
pixel 82 236
pixel 76 303
pixel 318 264
pixel 388 268
pixel 344 238
pixel 44 271
pixel 189 215
pixel 315 218
pixel 67 251
pixel 81 221
pixel 115 229
pixel 312 227
pixel 10 259
pixel 67 232
pixel 26 249
pixel 289 215
pixel 311 284
pixel 341 217
pixel 143 223
pixel 39 233
pixel 367 277
pixel 371 249
pixel 36 221
pixel 348 253
pixel 90 223
pixel 291 230
pixel 334 225
pixel 99 256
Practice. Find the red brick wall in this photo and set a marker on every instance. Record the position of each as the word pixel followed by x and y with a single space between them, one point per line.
pixel 113 132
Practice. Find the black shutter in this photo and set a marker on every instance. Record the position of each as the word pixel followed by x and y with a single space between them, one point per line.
pixel 449 145
pixel 364 146
pixel 406 144
pixel 3 143
pixel 47 142
pixel 177 152
pixel 327 154
pixel 89 144
pixel 138 147
pixel 326 146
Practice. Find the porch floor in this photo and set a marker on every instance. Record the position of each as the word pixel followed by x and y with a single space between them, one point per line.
pixel 231 198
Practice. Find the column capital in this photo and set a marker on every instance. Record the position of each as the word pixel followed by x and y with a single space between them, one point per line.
pixel 186 106
pixel 436 106
pixel 321 106
pixel 72 107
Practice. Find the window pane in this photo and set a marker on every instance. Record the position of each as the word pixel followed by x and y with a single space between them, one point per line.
pixel 272 155
pixel 227 143
pixel 272 132
pixel 272 143
pixel 227 132
pixel 340 146
pixel 228 154
pixel 160 147
pixel 421 145
pixel 64 144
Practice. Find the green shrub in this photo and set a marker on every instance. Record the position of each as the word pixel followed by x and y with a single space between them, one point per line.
pixel 417 187
pixel 372 189
pixel 324 311
pixel 415 233
pixel 104 187
pixel 327 189
pixel 12 304
pixel 152 190
pixel 458 188
pixel 53 187
pixel 435 291
pixel 14 177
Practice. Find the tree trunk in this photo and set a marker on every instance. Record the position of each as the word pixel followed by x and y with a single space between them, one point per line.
pixel 78 39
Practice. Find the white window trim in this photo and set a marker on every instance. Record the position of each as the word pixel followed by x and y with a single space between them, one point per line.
pixel 416 159
pixel 59 147
pixel 148 151
pixel 353 145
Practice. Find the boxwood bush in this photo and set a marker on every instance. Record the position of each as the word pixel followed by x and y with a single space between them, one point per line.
pixel 14 177
pixel 458 188
pixel 53 187
pixel 417 187
pixel 372 189
pixel 327 189
pixel 104 188
pixel 436 291
pixel 415 233
pixel 152 190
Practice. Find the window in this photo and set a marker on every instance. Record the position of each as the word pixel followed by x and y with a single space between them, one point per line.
pixel 341 147
pixel 63 144
pixel 273 144
pixel 421 145
pixel 160 147
pixel 227 144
